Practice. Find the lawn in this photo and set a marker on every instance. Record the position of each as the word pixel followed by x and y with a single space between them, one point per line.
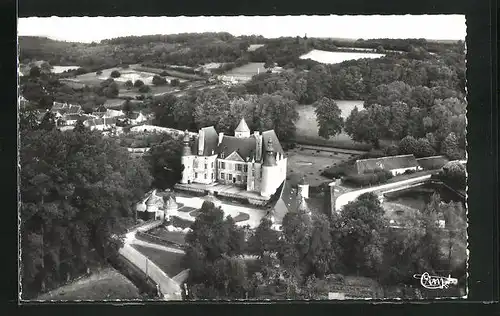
pixel 249 70
pixel 307 126
pixel 310 163
pixel 106 284
pixel 327 57
pixel 169 262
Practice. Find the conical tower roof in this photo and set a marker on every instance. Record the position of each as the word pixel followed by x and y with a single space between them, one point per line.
pixel 242 127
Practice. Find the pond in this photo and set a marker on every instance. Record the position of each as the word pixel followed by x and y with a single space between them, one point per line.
pixel 418 197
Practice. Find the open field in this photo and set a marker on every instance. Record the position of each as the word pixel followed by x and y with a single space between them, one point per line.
pixel 106 284
pixel 327 57
pixel 248 70
pixel 169 262
pixel 311 163
pixel 60 69
pixel 307 126
pixel 254 47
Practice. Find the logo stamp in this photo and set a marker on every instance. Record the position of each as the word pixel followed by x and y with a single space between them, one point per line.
pixel 434 282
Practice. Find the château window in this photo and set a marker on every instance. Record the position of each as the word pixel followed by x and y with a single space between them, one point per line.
pixel 212 165
pixel 245 168
pixel 196 174
pixel 195 163
pixel 206 166
pixel 253 172
pixel 222 165
pixel 238 178
pixel 244 179
pixel 222 175
pixel 238 167
pixel 205 175
pixel 229 176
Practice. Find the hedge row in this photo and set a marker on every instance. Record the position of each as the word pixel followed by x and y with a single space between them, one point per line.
pixel 376 177
pixel 157 240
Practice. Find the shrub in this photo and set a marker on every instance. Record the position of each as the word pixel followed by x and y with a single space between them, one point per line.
pixel 409 171
pixel 138 83
pixel 157 80
pixel 144 89
pixel 98 73
pixel 115 74
pixel 392 150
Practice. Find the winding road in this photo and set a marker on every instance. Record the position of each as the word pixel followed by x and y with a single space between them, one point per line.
pixel 170 289
pixel 351 196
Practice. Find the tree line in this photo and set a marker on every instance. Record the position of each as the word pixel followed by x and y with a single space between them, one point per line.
pixel 231 262
pixel 77 193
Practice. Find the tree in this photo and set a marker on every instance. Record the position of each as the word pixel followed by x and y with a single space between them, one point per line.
pixel 35 72
pixel 454 174
pixel 144 89
pixel 138 83
pixel 273 111
pixel 212 108
pixel 163 109
pixel 98 73
pixel 424 148
pixel 449 146
pixel 175 82
pixel 28 119
pixel 129 84
pixel 77 190
pixel 158 80
pixel 165 162
pixel 328 116
pixel 264 239
pixel 392 150
pixel 80 127
pixel 361 128
pixel 127 107
pixel 269 64
pixel 295 241
pixel 362 227
pixel 48 122
pixel 115 74
pixel 321 256
pixel 408 146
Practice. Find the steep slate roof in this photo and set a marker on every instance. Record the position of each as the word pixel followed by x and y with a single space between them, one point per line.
pixel 245 147
pixel 211 140
pixel 386 163
pixel 276 143
pixel 284 201
pixel 242 127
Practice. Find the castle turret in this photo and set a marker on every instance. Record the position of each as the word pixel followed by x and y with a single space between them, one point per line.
pixel 270 171
pixel 242 131
pixel 186 149
pixel 187 160
pixel 303 187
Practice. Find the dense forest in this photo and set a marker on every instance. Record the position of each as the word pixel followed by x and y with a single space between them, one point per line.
pixel 312 252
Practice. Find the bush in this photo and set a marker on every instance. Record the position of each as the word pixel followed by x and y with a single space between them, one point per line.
pixel 157 80
pixel 98 73
pixel 138 83
pixel 144 89
pixel 409 171
pixel 115 74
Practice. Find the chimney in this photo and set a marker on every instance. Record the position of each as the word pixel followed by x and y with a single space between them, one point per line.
pixel 329 200
pixel 221 135
pixel 258 146
pixel 201 142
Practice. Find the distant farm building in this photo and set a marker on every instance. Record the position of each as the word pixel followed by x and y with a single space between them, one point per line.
pixel 394 164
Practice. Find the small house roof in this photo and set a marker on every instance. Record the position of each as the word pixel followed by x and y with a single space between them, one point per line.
pixel 386 163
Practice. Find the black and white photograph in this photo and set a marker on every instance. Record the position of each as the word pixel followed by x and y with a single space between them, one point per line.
pixel 242 158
